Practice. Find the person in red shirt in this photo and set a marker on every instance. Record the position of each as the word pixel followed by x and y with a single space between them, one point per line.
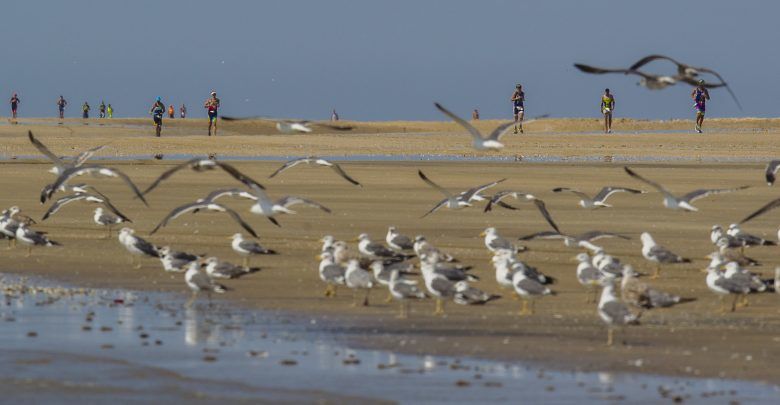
pixel 212 106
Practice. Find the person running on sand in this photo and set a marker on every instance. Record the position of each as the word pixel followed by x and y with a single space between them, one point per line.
pixel 334 116
pixel 85 110
pixel 14 104
pixel 183 111
pixel 475 115
pixel 157 111
pixel 171 112
pixel 607 107
pixel 110 111
pixel 212 106
pixel 61 103
pixel 102 109
pixel 700 96
pixel 518 109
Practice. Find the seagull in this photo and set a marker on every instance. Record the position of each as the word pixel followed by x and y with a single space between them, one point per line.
pixel 771 171
pixel 582 240
pixel 729 254
pixel 747 239
pixel 199 281
pixel 733 272
pixel 87 197
pixel 495 243
pixel 506 265
pixel 659 254
pixel 398 242
pixel 717 233
pixel 588 275
pixel 600 199
pixel 614 312
pixel 137 246
pixel 479 142
pixel 216 268
pixel 248 248
pixel 268 208
pixel 763 210
pixel 331 273
pixel 689 74
pixel 313 160
pixel 609 266
pixel 684 202
pixel 73 188
pixel 529 289
pixel 403 290
pixel 61 164
pixel 32 238
pixel 207 205
pixel 498 197
pixel 8 224
pixel 383 273
pixel 173 261
pixel 199 165
pixel 375 250
pixel 72 172
pixel 108 220
pixel 641 295
pixel 723 286
pixel 455 201
pixel 646 80
pixel 293 126
pixel 357 278
pixel 439 286
pixel 422 247
pixel 468 295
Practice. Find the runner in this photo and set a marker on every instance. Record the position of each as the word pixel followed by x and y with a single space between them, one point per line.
pixel 212 106
pixel 110 111
pixel 700 96
pixel 518 99
pixel 475 115
pixel 171 112
pixel 61 103
pixel 102 109
pixel 85 110
pixel 157 111
pixel 14 104
pixel 183 111
pixel 334 116
pixel 607 106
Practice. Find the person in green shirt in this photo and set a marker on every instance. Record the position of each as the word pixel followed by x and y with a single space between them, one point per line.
pixel 85 110
pixel 607 106
pixel 110 111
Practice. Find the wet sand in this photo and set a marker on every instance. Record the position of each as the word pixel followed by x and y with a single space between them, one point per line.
pixel 692 339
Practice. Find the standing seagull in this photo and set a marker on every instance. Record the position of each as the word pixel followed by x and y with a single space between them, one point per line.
pixel 529 289
pixel 248 248
pixel 317 161
pixel 31 238
pixel 404 290
pixel 659 254
pixel 588 275
pixel 176 262
pixel 453 201
pixel 331 273
pixel 357 278
pixel 137 246
pixel 479 142
pixel 375 250
pixel 468 295
pixel 61 164
pixel 641 295
pixel 397 241
pixel 199 281
pixel 684 202
pixel 108 220
pixel 216 268
pixel 614 312
pixel 496 243
pixel 600 200
pixel 723 286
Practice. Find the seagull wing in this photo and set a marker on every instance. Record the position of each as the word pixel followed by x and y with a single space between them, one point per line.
pixel 229 192
pixel 77 171
pixel 473 131
pixel 502 129
pixel 609 190
pixel 701 193
pixel 596 235
pixel 170 172
pixel 771 171
pixel 86 155
pixel 599 71
pixel 233 214
pixel 470 193
pixel 546 214
pixel 763 210
pixel 652 184
pixel 178 211
pixel 107 203
pixel 496 199
pixel 337 168
pixel 650 58
pixel 543 235
pixel 289 164
pixel 434 185
pixel 578 193
pixel 43 149
pixel 61 202
pixel 436 207
pixel 334 127
pixel 292 200
pixel 723 82
pixel 246 180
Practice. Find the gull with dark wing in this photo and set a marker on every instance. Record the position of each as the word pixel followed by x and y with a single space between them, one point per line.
pixel 614 312
pixel 61 164
pixel 176 262
pixel 246 248
pixel 439 286
pixel 642 295
pixel 718 283
pixel 199 281
pixel 137 246
pixel 495 243
pixel 683 202
pixel 293 126
pixel 316 161
pixel 203 205
pixel 468 295
pixel 200 165
pixel 422 248
pixel 584 239
pixel 268 208
pixel 375 250
pixel 107 220
pixel 519 195
pixel 530 290
pixel 456 201
pixel 746 239
pixel 404 290
pixel 397 241
pixel 86 197
pixel 659 254
pixel 10 220
pixel 646 80
pixel 383 272
pixel 600 200
pixel 687 73
pixel 72 172
pixel 763 210
pixel 331 273
pixel 216 268
pixel 771 171
pixel 32 238
pixel 589 276
pixel 479 142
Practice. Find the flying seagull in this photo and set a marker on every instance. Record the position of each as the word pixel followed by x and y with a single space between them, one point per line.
pixel 763 210
pixel 582 240
pixel 455 201
pixel 207 205
pixel 61 164
pixel 498 197
pixel 684 202
pixel 200 165
pixel 771 171
pixel 688 72
pixel 479 142
pixel 293 126
pixel 600 200
pixel 647 80
pixel 72 172
pixel 87 197
pixel 313 160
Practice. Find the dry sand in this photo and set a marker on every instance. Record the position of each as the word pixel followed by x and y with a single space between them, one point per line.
pixel 692 339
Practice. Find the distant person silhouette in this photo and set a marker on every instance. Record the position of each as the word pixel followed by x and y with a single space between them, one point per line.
pixel 110 111
pixel 518 107
pixel 212 107
pixel 14 104
pixel 475 115
pixel 171 112
pixel 102 109
pixel 157 111
pixel 607 107
pixel 334 116
pixel 183 111
pixel 700 96
pixel 85 110
pixel 61 103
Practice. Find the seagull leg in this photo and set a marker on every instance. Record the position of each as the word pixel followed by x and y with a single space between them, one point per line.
pixel 743 302
pixel 533 303
pixel 439 307
pixel 524 309
pixel 246 261
pixel 365 300
pixel 610 333
pixel 191 300
pixel 29 250
pixel 328 290
pixel 389 298
pixel 402 314
pixel 333 292
pixel 721 300
pixel 657 272
pixel 734 303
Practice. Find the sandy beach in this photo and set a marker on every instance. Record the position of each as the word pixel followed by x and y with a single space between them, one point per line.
pixel 691 339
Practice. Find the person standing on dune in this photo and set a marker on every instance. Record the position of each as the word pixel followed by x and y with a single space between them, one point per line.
pixel 14 104
pixel 518 108
pixel 607 106
pixel 85 110
pixel 183 111
pixel 110 111
pixel 157 111
pixel 212 107
pixel 102 109
pixel 61 103
pixel 700 96
pixel 171 112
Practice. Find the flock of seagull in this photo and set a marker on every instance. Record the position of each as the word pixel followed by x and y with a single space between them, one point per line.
pixel 394 264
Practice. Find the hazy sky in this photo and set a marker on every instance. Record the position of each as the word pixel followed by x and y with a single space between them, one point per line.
pixel 381 60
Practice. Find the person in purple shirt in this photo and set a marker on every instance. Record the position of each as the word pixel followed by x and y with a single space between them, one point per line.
pixel 14 104
pixel 700 95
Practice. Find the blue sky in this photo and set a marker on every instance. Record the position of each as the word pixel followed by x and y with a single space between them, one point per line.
pixel 381 60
